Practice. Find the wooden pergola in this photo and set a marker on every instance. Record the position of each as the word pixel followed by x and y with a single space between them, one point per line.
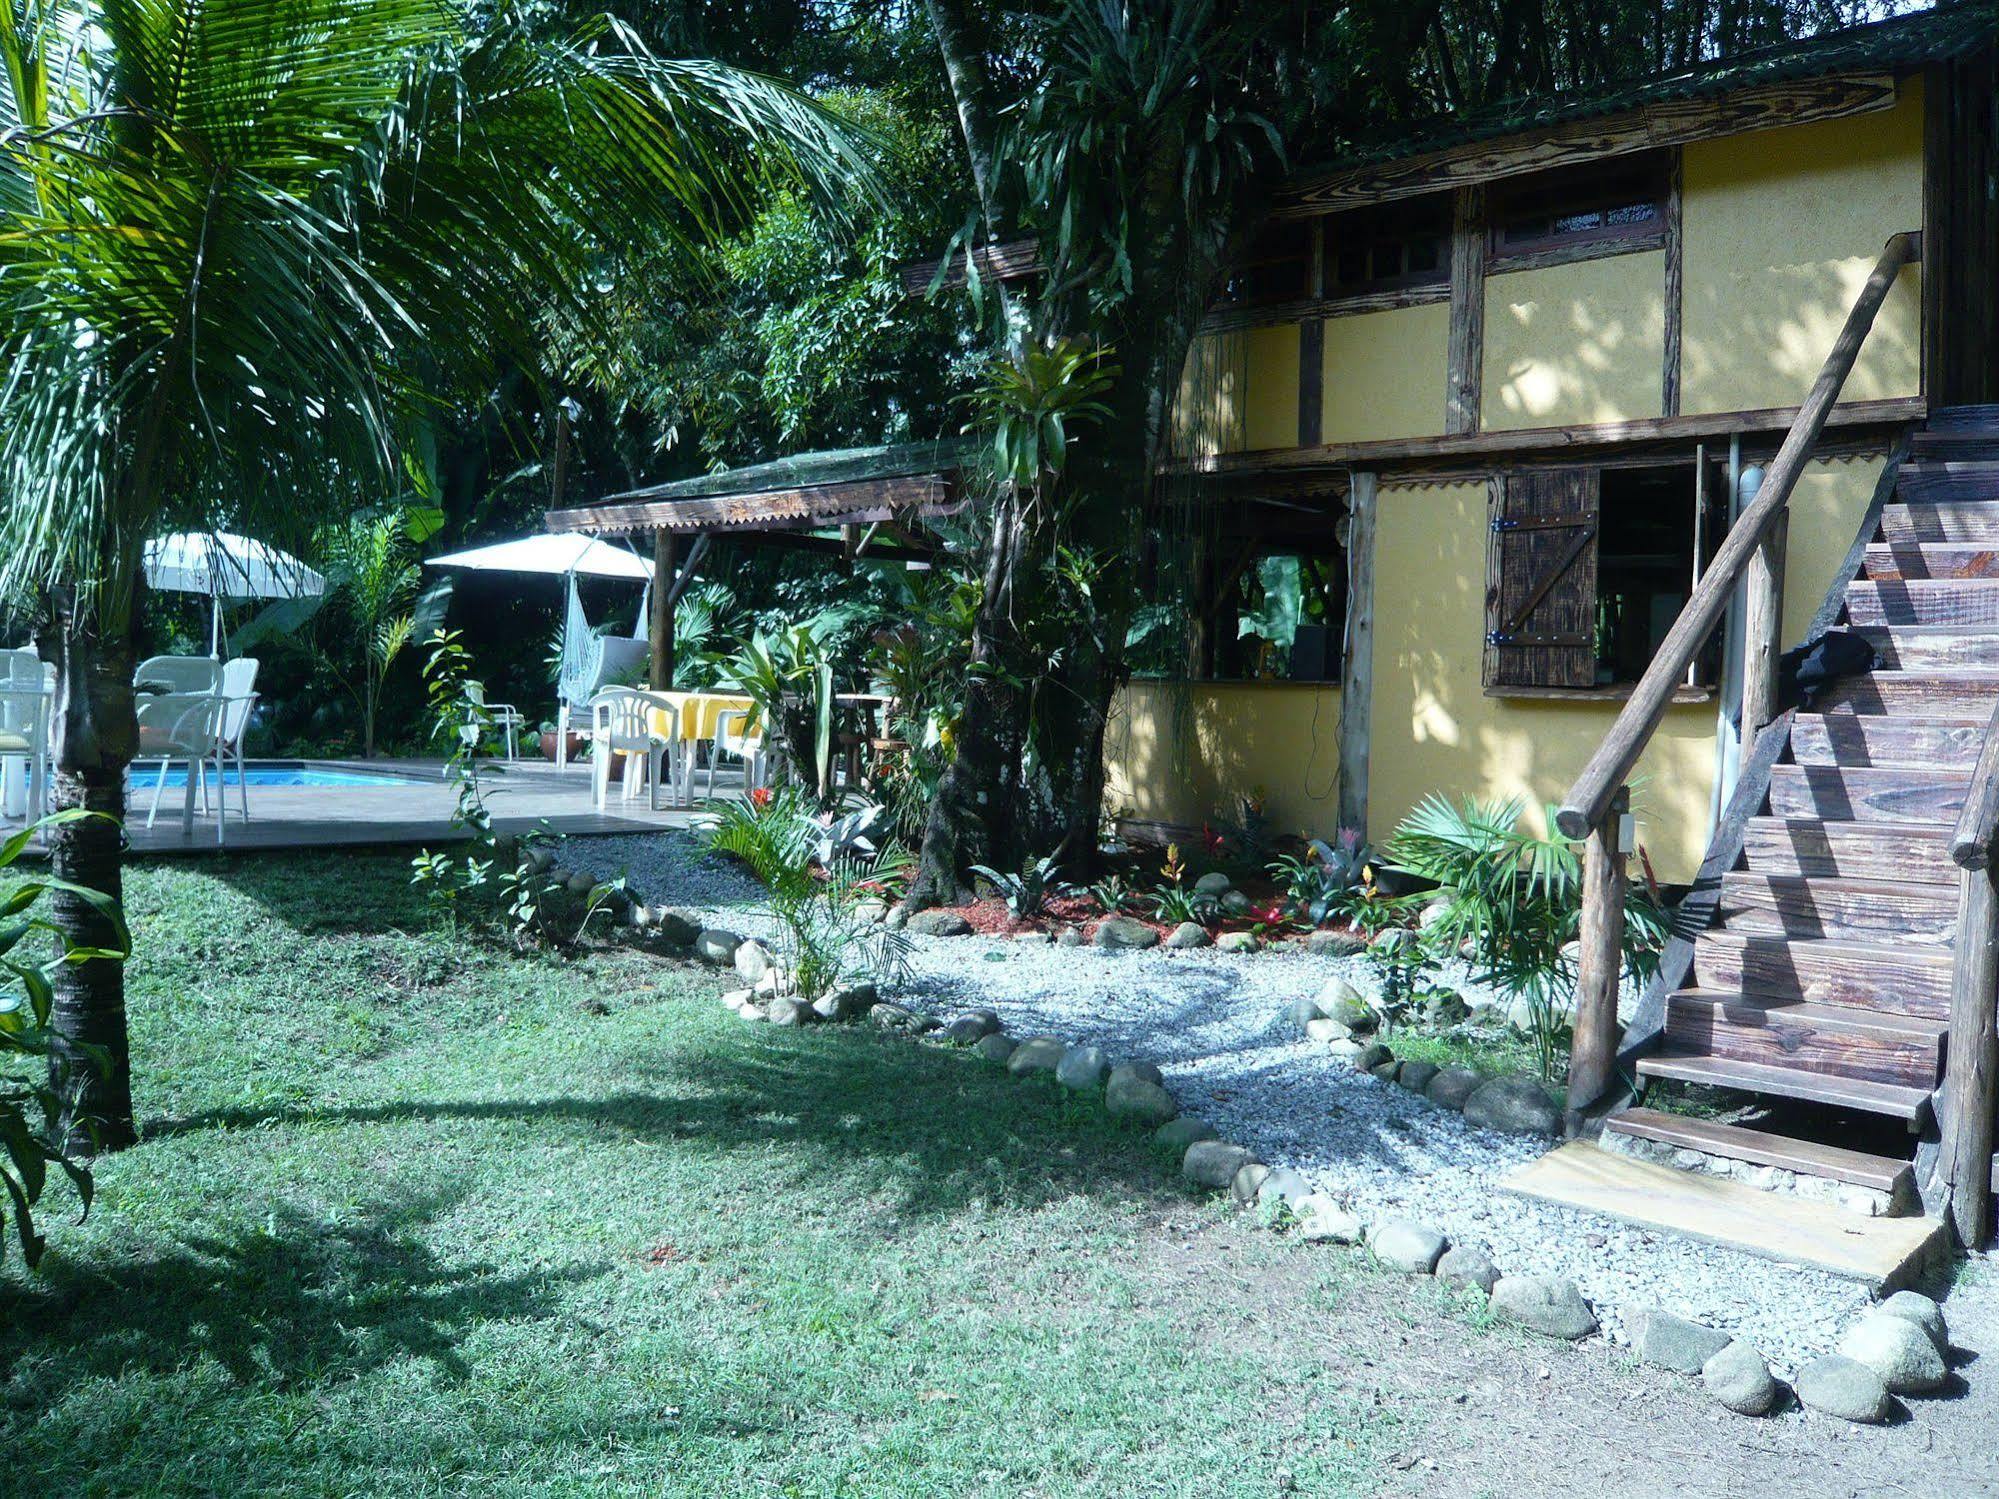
pixel 849 502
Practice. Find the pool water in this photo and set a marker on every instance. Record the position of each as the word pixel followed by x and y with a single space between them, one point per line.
pixel 146 777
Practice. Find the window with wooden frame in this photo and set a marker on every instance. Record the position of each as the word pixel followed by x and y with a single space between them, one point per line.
pixel 1587 570
pixel 1403 246
pixel 1276 269
pixel 1606 209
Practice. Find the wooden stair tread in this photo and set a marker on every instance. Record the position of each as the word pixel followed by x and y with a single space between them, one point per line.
pixel 1921 601
pixel 1813 848
pixel 1866 793
pixel 1902 741
pixel 1941 692
pixel 1884 1253
pixel 1900 980
pixel 1903 561
pixel 1951 478
pixel 1762 1148
pixel 1784 1031
pixel 1918 521
pixel 1930 647
pixel 1895 1100
pixel 1957 418
pixel 1803 907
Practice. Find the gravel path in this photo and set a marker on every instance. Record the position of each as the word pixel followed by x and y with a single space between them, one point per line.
pixel 1216 1025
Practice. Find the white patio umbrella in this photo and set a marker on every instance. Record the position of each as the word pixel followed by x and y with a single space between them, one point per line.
pixel 225 566
pixel 564 555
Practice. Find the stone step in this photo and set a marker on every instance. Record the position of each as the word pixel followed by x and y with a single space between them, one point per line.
pixel 1885 1254
pixel 1913 981
pixel 1910 1105
pixel 1866 910
pixel 1827 1039
pixel 1810 848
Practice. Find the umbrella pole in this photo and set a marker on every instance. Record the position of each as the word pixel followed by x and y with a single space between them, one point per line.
pixel 215 625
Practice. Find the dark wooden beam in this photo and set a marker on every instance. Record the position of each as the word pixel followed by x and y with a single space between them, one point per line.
pixel 1465 348
pixel 1010 260
pixel 1357 660
pixel 1669 123
pixel 660 667
pixel 1676 267
pixel 1545 441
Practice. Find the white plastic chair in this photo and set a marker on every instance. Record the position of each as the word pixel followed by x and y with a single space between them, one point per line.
pixel 183 726
pixel 239 699
pixel 177 674
pixel 621 723
pixel 25 697
pixel 737 733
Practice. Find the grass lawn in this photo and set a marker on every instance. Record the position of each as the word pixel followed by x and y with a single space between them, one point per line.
pixel 409 1218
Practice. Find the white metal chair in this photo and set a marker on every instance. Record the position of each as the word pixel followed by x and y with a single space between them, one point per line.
pixel 622 723
pixel 25 697
pixel 505 717
pixel 739 733
pixel 183 726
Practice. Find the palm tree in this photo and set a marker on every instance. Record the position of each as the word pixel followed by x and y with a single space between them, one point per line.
pixel 245 247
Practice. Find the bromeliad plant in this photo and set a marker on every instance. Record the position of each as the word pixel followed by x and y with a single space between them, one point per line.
pixel 1516 897
pixel 29 961
pixel 827 939
pixel 1173 901
pixel 1316 882
pixel 1027 893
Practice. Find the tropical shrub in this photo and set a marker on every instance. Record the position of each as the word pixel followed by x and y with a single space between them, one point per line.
pixel 32 950
pixel 1026 893
pixel 1516 897
pixel 1316 881
pixel 827 939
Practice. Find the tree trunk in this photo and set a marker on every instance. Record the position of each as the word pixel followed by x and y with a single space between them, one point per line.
pixel 94 735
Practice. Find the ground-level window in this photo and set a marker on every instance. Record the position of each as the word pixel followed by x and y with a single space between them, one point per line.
pixel 1588 568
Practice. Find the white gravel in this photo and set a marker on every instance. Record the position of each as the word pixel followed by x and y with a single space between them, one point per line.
pixel 1216 1025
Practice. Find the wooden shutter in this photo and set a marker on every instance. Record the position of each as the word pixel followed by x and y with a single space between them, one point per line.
pixel 1540 603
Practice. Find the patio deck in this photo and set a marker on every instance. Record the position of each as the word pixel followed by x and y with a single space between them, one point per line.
pixel 416 809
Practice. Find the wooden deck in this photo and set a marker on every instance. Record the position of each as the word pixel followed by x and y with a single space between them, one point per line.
pixel 415 809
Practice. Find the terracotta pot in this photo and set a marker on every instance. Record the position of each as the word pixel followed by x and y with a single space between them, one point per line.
pixel 579 746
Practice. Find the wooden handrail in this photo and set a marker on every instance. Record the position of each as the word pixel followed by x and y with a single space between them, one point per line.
pixel 1971 842
pixel 1589 798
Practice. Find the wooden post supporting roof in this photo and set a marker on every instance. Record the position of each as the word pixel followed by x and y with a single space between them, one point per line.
pixel 1357 662
pixel 664 545
pixel 1465 359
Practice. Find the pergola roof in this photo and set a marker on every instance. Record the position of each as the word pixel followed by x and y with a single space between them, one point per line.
pixel 808 492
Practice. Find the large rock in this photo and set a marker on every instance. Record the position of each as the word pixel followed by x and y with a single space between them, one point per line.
pixel 1125 932
pixel 752 961
pixel 901 1019
pixel 1898 1349
pixel 1335 944
pixel 1083 1068
pixel 1177 1135
pixel 1416 1076
pixel 1516 1104
pixel 847 1002
pixel 1248 1182
pixel 1738 1377
pixel 1341 1001
pixel 1238 942
pixel 1464 1266
pixel 995 1048
pixel 1130 1096
pixel 939 922
pixel 672 927
pixel 789 1009
pixel 716 946
pixel 1411 1247
pixel 1283 1185
pixel 1845 1388
pixel 1069 936
pixel 1188 934
pixel 1322 1220
pixel 1213 883
pixel 1545 1304
pixel 974 1026
pixel 1236 903
pixel 1042 1054
pixel 1144 1070
pixel 1214 1163
pixel 1919 1309
pixel 1675 1343
pixel 1451 1087
pixel 1325 1028
pixel 1372 1056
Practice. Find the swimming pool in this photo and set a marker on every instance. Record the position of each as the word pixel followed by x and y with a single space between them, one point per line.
pixel 146 777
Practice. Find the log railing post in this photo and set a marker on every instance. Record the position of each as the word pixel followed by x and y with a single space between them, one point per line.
pixel 1971 1062
pixel 1593 1054
pixel 1762 632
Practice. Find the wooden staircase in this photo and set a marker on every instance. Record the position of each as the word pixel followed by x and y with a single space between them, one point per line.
pixel 1826 974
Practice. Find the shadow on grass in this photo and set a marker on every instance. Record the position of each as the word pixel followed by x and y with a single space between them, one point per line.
pixel 299 1301
pixel 924 1129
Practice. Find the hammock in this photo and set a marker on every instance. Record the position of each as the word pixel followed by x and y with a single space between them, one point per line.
pixel 591 661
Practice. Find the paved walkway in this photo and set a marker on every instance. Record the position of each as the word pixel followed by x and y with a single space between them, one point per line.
pixel 415 808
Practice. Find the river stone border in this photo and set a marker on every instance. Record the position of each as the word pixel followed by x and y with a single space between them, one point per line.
pixel 1900 1345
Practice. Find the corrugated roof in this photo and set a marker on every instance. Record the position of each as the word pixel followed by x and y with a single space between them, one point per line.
pixel 808 470
pixel 1903 41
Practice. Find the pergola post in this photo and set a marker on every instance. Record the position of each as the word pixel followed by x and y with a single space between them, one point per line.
pixel 664 597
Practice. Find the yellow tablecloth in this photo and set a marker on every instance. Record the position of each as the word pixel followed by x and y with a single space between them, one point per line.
pixel 699 712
